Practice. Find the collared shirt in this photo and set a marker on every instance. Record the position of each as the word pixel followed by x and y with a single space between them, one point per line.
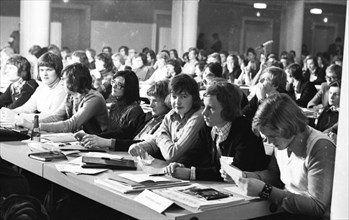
pixel 178 123
pixel 176 135
pixel 222 135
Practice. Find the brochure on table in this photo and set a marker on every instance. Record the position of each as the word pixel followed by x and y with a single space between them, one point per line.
pixel 129 183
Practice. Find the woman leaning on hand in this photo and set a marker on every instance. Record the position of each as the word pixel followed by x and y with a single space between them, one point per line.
pixel 303 159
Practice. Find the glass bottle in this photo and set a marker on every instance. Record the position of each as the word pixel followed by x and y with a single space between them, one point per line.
pixel 35 133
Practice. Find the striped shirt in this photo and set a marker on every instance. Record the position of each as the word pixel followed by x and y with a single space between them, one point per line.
pixel 176 135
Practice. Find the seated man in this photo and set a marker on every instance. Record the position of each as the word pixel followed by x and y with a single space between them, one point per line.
pixel 320 100
pixel 157 94
pixel 179 129
pixel 329 116
pixel 227 133
pixel 22 85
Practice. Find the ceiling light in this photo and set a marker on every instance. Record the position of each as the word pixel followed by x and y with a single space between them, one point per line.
pixel 260 5
pixel 325 19
pixel 258 14
pixel 316 11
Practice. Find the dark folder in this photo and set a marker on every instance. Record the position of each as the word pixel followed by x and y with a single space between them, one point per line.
pixel 8 134
pixel 111 163
pixel 48 156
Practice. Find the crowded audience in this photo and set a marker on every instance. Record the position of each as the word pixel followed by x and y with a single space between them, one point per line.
pixel 189 110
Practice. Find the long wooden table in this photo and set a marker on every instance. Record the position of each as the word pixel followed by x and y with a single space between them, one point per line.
pixel 17 153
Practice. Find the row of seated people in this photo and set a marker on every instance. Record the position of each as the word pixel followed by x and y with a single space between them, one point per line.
pixel 183 132
pixel 233 68
pixel 302 91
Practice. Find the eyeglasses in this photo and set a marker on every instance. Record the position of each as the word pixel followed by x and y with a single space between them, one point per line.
pixel 332 78
pixel 262 80
pixel 117 85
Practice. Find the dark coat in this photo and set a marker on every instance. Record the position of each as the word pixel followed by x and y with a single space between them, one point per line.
pixel 241 143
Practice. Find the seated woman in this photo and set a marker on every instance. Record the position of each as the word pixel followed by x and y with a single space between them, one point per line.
pixel 126 117
pixel 303 159
pixel 47 97
pixel 118 62
pixel 329 116
pixel 232 69
pixel 22 87
pixel 313 73
pixel 180 127
pixel 300 89
pixel 227 133
pixel 173 67
pixel 84 108
pixel 248 73
pixel 157 94
pixel 161 72
pixel 273 80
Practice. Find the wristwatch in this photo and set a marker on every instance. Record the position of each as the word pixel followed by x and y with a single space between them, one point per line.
pixel 266 191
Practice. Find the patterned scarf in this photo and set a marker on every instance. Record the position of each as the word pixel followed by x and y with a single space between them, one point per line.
pixel 16 88
pixel 219 135
pixel 72 103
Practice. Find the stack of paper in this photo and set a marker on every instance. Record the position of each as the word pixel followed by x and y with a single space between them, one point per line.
pixel 236 190
pixel 234 172
pixel 183 197
pixel 59 137
pixel 128 183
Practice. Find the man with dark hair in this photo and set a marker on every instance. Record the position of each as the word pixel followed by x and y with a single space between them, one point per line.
pixel 107 50
pixel 227 133
pixel 22 85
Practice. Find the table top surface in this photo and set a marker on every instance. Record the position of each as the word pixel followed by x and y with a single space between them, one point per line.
pixel 17 153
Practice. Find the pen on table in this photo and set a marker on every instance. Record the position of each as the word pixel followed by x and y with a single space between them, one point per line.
pixel 157 174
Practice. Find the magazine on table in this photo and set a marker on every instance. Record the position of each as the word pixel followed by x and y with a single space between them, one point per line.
pixel 197 197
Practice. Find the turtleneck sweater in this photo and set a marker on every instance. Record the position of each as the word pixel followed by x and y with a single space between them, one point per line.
pixel 45 100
